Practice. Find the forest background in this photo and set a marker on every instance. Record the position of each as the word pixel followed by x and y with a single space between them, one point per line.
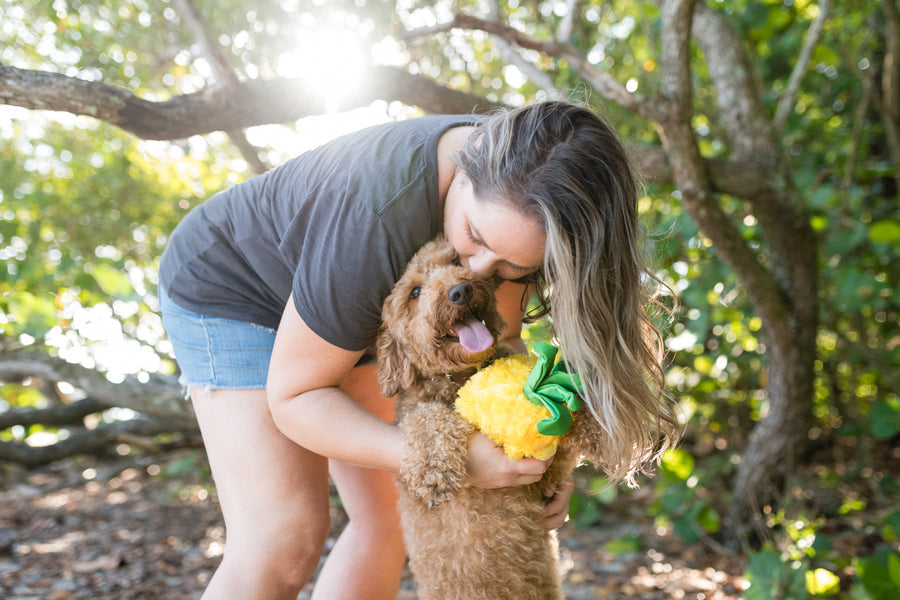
pixel 767 135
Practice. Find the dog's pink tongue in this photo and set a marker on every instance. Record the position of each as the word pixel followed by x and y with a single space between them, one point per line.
pixel 474 336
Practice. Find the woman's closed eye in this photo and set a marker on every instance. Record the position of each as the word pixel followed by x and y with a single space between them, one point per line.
pixel 471 237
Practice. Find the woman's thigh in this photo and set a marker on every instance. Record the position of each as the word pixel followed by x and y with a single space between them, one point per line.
pixel 273 493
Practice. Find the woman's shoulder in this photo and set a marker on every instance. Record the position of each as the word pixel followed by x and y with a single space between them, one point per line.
pixel 398 135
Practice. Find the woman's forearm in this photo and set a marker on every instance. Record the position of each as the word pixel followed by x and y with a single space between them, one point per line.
pixel 329 422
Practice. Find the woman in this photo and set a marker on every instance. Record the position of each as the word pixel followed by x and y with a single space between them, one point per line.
pixel 271 293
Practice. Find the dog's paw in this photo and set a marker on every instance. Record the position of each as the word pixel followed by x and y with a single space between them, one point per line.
pixel 437 487
pixel 435 441
pixel 427 477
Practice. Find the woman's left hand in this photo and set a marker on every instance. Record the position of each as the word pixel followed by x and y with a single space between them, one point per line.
pixel 556 511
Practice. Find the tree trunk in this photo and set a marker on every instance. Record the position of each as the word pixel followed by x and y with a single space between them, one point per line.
pixel 780 280
pixel 787 303
pixel 775 442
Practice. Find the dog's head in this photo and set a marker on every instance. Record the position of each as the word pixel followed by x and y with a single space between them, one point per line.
pixel 440 318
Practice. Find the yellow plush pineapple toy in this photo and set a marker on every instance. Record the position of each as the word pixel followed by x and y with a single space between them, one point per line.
pixel 524 403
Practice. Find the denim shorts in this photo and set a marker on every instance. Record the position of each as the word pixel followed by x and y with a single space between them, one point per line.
pixel 216 353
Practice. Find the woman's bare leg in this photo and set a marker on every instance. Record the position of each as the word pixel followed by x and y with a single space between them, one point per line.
pixel 273 495
pixel 367 560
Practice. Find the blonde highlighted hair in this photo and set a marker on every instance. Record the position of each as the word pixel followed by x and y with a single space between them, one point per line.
pixel 562 165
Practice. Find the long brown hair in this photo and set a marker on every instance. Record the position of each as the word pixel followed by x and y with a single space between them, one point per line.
pixel 562 165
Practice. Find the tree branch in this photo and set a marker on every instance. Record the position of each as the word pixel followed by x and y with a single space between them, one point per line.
pixel 161 396
pixel 859 116
pixel 786 103
pixel 224 74
pixel 218 63
pixel 726 176
pixel 217 108
pixel 745 119
pixel 689 170
pixel 567 25
pixel 64 414
pixel 676 104
pixel 879 98
pixel 677 17
pixel 890 83
pixel 512 56
pixel 93 440
pixel 780 210
pixel 605 84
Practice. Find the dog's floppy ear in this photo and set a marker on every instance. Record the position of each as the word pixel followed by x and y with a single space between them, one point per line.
pixel 395 371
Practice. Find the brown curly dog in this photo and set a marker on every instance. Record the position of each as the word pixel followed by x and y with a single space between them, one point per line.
pixel 464 542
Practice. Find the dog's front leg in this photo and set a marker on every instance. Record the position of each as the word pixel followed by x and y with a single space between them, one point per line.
pixel 435 445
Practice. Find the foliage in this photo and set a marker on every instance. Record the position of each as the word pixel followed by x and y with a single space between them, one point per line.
pixel 809 569
pixel 679 503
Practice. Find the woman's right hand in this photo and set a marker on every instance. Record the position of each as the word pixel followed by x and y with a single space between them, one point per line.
pixel 489 467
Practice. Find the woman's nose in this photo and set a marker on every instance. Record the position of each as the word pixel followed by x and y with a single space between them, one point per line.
pixel 482 263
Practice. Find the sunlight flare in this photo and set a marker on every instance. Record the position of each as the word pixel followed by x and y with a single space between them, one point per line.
pixel 329 60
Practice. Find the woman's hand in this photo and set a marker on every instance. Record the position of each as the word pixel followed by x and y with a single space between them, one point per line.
pixel 556 511
pixel 489 467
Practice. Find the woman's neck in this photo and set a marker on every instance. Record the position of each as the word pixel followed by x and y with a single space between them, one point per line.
pixel 451 141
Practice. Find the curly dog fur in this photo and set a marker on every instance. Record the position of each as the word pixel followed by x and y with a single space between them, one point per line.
pixel 464 542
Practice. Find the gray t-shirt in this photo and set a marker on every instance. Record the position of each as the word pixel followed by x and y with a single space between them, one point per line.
pixel 335 226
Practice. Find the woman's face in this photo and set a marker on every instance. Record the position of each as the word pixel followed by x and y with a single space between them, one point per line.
pixel 490 236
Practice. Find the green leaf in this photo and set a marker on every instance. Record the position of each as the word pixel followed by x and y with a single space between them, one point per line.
pixel 819 223
pixel 686 528
pixel 602 490
pixel 672 498
pixel 891 529
pixel 894 569
pixel 765 573
pixel 822 582
pixel 677 464
pixel 884 418
pixel 885 232
pixel 36 315
pixel 584 511
pixel 877 574
pixel 112 281
pixel 624 545
pixel 18 396
pixel 709 519
pixel 822 545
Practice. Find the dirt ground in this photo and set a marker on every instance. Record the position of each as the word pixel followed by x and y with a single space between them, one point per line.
pixel 151 529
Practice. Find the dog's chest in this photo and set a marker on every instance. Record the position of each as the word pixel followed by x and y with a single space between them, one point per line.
pixel 440 390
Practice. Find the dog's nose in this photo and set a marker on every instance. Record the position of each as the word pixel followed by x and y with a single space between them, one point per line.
pixel 461 293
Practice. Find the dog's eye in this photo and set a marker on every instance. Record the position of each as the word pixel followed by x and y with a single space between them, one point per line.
pixel 415 292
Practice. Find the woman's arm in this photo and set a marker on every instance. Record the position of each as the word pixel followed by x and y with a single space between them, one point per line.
pixel 309 407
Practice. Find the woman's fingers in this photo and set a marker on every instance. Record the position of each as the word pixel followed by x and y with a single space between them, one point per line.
pixel 489 467
pixel 556 511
